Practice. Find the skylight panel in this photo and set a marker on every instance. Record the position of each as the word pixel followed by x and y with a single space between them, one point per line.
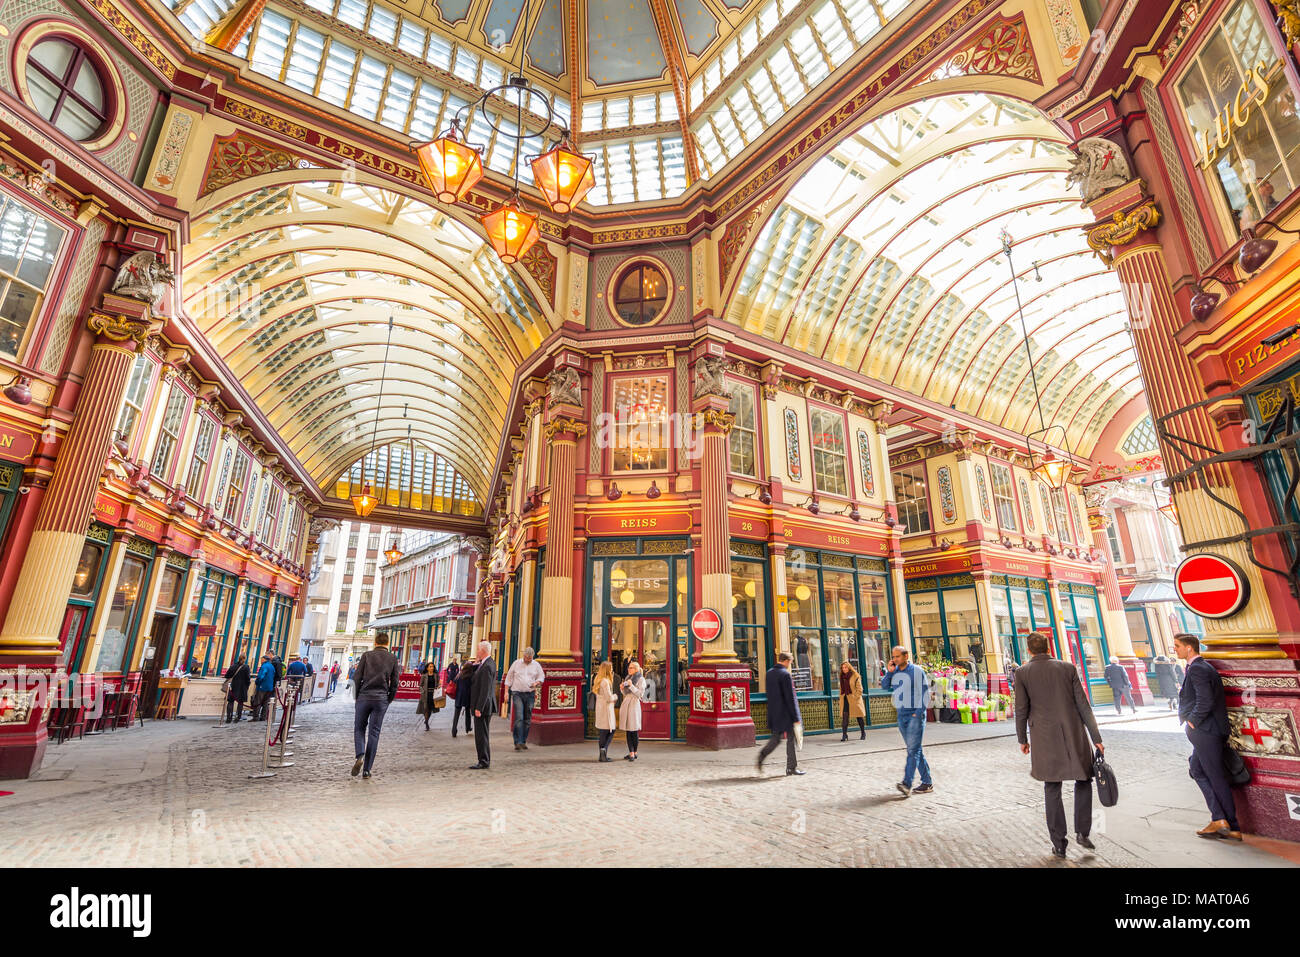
pixel 440 51
pixel 617 111
pixel 619 173
pixel 337 74
pixel 397 103
pixel 466 66
pixel 645 155
pixel 827 22
pixel 768 101
pixel 305 60
pixel 353 13
pixel 272 42
pixel 368 87
pixel 668 108
pixel 383 23
pixel 674 165
pixel 411 38
pixel 201 15
pixel 645 109
pixel 492 75
pixel 324 6
pixel 593 115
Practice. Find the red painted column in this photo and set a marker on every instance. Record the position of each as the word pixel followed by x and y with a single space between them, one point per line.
pixel 29 641
pixel 720 715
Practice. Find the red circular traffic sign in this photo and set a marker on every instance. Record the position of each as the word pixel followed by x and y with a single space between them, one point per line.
pixel 706 624
pixel 1211 586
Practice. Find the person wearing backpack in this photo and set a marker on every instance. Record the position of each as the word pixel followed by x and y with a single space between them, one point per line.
pixel 1050 699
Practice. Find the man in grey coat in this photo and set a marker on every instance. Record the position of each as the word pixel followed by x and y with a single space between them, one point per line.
pixel 1050 702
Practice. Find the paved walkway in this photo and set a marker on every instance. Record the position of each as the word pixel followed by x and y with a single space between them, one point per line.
pixel 178 794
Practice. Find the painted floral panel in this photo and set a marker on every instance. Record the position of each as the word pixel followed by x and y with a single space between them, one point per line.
pixel 947 503
pixel 864 461
pixel 793 464
pixel 982 483
pixel 1029 505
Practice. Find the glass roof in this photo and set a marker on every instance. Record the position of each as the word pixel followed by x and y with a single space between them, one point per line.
pixel 638 92
pixel 886 258
pixel 295 285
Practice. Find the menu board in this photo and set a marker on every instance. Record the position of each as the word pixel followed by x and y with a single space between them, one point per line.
pixel 802 679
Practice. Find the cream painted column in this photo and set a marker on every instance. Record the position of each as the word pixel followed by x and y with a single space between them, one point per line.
pixel 527 591
pixel 227 643
pixel 480 605
pixel 781 619
pixel 562 432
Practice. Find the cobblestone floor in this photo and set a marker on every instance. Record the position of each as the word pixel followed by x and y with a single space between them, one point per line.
pixel 178 794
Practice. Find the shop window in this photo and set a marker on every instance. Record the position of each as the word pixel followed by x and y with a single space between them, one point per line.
pixel 66 88
pixel 742 442
pixel 927 623
pixel 1090 635
pixel 641 430
pixel 1139 633
pixel 640 295
pixel 29 244
pixel 805 628
pixel 749 618
pixel 1112 537
pixel 840 613
pixel 877 631
pixel 913 499
pixel 137 389
pixel 829 456
pixel 639 583
pixel 200 458
pixel 1004 496
pixel 169 433
pixel 1241 111
pixel 114 646
pixel 87 576
pixel 169 589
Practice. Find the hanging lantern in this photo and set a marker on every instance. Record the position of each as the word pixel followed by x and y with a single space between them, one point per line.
pixel 451 166
pixel 364 501
pixel 512 231
pixel 1170 510
pixel 1053 470
pixel 564 177
pixel 393 553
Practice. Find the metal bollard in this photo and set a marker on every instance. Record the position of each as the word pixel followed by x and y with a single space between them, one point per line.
pixel 266 745
pixel 283 736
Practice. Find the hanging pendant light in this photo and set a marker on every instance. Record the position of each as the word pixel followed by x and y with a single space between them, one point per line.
pixel 511 229
pixel 393 553
pixel 451 166
pixel 563 176
pixel 366 501
pixel 1053 469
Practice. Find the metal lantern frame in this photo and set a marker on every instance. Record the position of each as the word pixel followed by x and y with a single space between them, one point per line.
pixel 365 502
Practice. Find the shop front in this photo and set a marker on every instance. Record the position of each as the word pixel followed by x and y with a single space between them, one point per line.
pixel 82 598
pixel 639 594
pixel 1086 636
pixel 212 613
pixel 157 650
pixel 945 618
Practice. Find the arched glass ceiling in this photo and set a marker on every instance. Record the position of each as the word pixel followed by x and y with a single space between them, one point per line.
pixel 886 258
pixel 295 284
pixel 737 65
pixel 407 475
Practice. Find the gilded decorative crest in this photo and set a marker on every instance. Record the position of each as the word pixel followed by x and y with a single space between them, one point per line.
pixel 1122 228
pixel 118 328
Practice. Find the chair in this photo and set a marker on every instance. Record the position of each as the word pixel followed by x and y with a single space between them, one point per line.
pixel 128 702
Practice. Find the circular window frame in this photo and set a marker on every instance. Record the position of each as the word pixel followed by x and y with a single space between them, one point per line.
pixel 114 91
pixel 618 275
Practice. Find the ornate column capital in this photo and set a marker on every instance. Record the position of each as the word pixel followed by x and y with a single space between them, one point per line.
pixel 715 420
pixel 118 328
pixel 565 427
pixel 1122 228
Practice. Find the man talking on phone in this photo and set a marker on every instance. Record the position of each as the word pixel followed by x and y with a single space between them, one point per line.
pixel 911 697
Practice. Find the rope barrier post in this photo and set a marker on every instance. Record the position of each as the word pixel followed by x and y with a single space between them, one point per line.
pixel 281 734
pixel 266 745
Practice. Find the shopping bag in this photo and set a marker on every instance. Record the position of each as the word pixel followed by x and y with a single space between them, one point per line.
pixel 797 731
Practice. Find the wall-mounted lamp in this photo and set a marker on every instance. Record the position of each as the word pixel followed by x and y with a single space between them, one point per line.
pixel 653 491
pixel 613 493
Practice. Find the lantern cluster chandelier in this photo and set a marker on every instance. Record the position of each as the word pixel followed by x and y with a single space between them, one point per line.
pixel 564 176
pixel 1048 466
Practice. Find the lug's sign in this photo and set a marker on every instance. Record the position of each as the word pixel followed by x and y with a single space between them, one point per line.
pixel 1253 92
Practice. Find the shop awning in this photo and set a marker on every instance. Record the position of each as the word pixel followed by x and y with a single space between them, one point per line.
pixel 405 618
pixel 1149 593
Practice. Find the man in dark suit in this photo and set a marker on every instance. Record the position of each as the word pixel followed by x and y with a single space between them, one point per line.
pixel 1201 705
pixel 782 714
pixel 482 699
pixel 1051 703
pixel 1120 686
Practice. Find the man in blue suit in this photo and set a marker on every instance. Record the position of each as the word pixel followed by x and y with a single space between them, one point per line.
pixel 782 714
pixel 1201 706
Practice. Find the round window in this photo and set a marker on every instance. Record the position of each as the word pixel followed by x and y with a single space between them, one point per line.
pixel 66 88
pixel 640 294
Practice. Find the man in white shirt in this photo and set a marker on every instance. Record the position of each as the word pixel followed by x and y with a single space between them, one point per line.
pixel 522 681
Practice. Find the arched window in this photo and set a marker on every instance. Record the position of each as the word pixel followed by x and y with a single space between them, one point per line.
pixel 640 295
pixel 66 88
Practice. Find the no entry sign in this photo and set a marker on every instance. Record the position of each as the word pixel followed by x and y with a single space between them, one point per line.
pixel 706 624
pixel 1211 586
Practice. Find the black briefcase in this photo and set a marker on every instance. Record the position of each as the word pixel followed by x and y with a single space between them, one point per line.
pixel 1238 773
pixel 1107 786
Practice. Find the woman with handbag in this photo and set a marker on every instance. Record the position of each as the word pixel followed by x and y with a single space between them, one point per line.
pixel 236 687
pixel 629 712
pixel 851 703
pixel 428 692
pixel 602 686
pixel 464 678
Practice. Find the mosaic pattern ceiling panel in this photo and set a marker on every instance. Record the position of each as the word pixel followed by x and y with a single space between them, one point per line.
pixel 886 258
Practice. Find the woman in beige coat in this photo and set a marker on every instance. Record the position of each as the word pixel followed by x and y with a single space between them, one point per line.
pixel 602 686
pixel 851 703
pixel 629 712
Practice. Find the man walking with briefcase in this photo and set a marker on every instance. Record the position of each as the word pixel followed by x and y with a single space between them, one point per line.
pixel 1051 702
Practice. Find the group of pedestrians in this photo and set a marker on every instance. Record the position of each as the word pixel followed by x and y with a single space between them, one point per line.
pixel 1055 724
